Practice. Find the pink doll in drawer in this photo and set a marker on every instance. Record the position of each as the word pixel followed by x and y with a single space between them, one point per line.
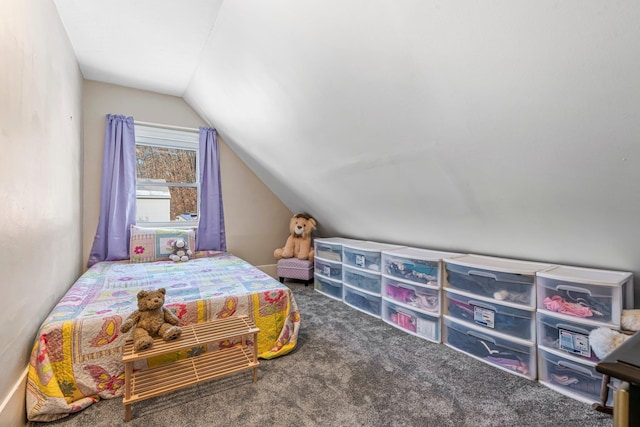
pixel 401 294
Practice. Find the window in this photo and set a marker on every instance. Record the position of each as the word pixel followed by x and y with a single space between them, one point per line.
pixel 168 190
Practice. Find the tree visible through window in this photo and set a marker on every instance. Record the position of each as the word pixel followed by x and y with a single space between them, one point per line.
pixel 167 175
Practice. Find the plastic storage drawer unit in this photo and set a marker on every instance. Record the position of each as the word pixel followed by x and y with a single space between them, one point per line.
pixel 330 269
pixel 362 301
pixel 572 377
pixel 597 295
pixel 515 322
pixel 328 287
pixel 330 248
pixel 413 322
pixel 513 356
pixel 566 335
pixel 365 255
pixel 421 266
pixel 422 298
pixel 362 279
pixel 497 278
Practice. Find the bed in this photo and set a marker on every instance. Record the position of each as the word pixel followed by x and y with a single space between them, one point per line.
pixel 76 357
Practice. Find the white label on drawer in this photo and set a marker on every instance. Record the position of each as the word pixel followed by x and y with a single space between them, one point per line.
pixel 360 261
pixel 326 270
pixel 574 343
pixel 426 328
pixel 484 316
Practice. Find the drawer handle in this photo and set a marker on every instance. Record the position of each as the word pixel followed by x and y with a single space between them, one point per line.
pixel 482 274
pixel 573 289
pixel 572 328
pixel 568 365
pixel 483 305
pixel 481 336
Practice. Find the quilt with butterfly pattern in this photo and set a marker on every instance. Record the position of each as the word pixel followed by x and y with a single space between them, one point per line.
pixel 77 354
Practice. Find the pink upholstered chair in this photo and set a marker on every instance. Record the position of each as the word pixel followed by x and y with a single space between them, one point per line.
pixel 294 268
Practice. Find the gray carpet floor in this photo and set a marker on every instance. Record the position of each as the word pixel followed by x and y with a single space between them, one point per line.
pixel 351 369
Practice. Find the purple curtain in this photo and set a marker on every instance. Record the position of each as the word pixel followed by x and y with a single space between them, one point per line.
pixel 211 235
pixel 118 191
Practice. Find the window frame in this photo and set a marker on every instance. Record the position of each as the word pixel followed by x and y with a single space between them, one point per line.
pixel 165 137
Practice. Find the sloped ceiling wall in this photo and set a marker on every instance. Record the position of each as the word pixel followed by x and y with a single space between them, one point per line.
pixel 500 128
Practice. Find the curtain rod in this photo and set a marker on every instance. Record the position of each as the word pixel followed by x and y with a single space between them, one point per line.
pixel 158 125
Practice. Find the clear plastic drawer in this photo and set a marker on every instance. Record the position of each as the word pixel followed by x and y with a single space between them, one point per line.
pixel 597 295
pixel 411 321
pixel 421 298
pixel 328 287
pixel 362 301
pixel 510 355
pixel 511 321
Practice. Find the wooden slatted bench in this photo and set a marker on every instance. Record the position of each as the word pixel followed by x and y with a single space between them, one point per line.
pixel 151 382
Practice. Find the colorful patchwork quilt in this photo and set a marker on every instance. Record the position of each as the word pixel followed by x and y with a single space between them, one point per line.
pixel 77 355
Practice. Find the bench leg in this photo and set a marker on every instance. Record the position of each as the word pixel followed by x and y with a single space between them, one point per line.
pixel 281 279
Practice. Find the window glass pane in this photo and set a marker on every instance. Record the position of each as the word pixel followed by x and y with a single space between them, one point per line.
pixel 166 164
pixel 163 203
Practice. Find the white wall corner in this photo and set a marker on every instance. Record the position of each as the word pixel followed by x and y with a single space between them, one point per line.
pixel 12 410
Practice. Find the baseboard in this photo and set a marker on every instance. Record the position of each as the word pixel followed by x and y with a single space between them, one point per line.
pixel 270 269
pixel 12 410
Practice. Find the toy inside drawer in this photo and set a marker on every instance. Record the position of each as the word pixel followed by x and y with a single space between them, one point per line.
pixel 426 299
pixel 571 377
pixel 509 287
pixel 580 300
pixel 411 269
pixel 510 355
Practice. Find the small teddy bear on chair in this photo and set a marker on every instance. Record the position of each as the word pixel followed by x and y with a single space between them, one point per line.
pixel 150 320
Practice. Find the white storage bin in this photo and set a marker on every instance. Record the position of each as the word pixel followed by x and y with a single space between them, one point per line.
pixel 330 248
pixel 328 287
pixel 366 255
pixel 515 322
pixel 411 321
pixel 572 377
pixel 362 279
pixel 497 278
pixel 421 298
pixel 597 295
pixel 421 266
pixel 515 356
pixel 330 269
pixel 570 336
pixel 362 301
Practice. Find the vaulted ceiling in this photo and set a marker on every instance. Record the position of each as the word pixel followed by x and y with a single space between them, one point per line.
pixel 503 128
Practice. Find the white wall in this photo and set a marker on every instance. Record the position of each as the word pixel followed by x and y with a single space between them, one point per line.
pixel 40 180
pixel 504 128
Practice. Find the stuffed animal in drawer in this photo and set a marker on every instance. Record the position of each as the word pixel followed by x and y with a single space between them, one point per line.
pixel 298 244
pixel 150 320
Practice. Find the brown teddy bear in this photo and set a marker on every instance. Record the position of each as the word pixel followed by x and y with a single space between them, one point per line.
pixel 298 243
pixel 151 320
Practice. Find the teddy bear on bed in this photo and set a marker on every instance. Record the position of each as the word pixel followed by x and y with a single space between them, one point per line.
pixel 150 320
pixel 298 244
pixel 181 251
